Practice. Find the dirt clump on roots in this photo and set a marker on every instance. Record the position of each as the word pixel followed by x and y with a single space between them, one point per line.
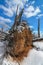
pixel 20 45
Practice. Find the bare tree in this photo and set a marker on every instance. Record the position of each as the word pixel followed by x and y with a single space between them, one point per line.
pixel 17 19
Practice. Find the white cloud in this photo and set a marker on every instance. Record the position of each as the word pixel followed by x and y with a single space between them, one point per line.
pixel 16 2
pixel 41 34
pixel 33 2
pixel 3 25
pixel 31 27
pixel 5 19
pixel 30 8
pixel 12 6
pixel 7 11
pixel 36 33
pixel 40 15
pixel 3 22
pixel 31 11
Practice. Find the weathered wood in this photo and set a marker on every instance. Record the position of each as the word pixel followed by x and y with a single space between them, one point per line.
pixel 37 39
pixel 39 28
pixel 17 20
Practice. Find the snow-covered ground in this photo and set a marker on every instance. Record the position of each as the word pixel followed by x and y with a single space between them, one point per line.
pixel 2 50
pixel 38 45
pixel 35 57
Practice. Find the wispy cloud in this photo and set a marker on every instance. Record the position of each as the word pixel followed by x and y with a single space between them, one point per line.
pixel 5 19
pixel 36 33
pixel 15 2
pixel 5 26
pixel 7 11
pixel 33 2
pixel 40 15
pixel 41 33
pixel 3 22
pixel 12 6
pixel 31 11
pixel 31 27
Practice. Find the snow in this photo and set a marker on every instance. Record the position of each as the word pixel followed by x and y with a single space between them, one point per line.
pixel 6 62
pixel 20 28
pixel 38 45
pixel 34 57
pixel 2 50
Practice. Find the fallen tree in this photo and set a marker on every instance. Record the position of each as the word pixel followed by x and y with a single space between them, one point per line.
pixel 20 39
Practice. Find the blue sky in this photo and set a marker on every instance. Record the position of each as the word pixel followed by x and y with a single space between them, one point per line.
pixel 33 9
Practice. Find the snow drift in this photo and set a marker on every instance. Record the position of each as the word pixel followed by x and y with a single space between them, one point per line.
pixel 34 58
